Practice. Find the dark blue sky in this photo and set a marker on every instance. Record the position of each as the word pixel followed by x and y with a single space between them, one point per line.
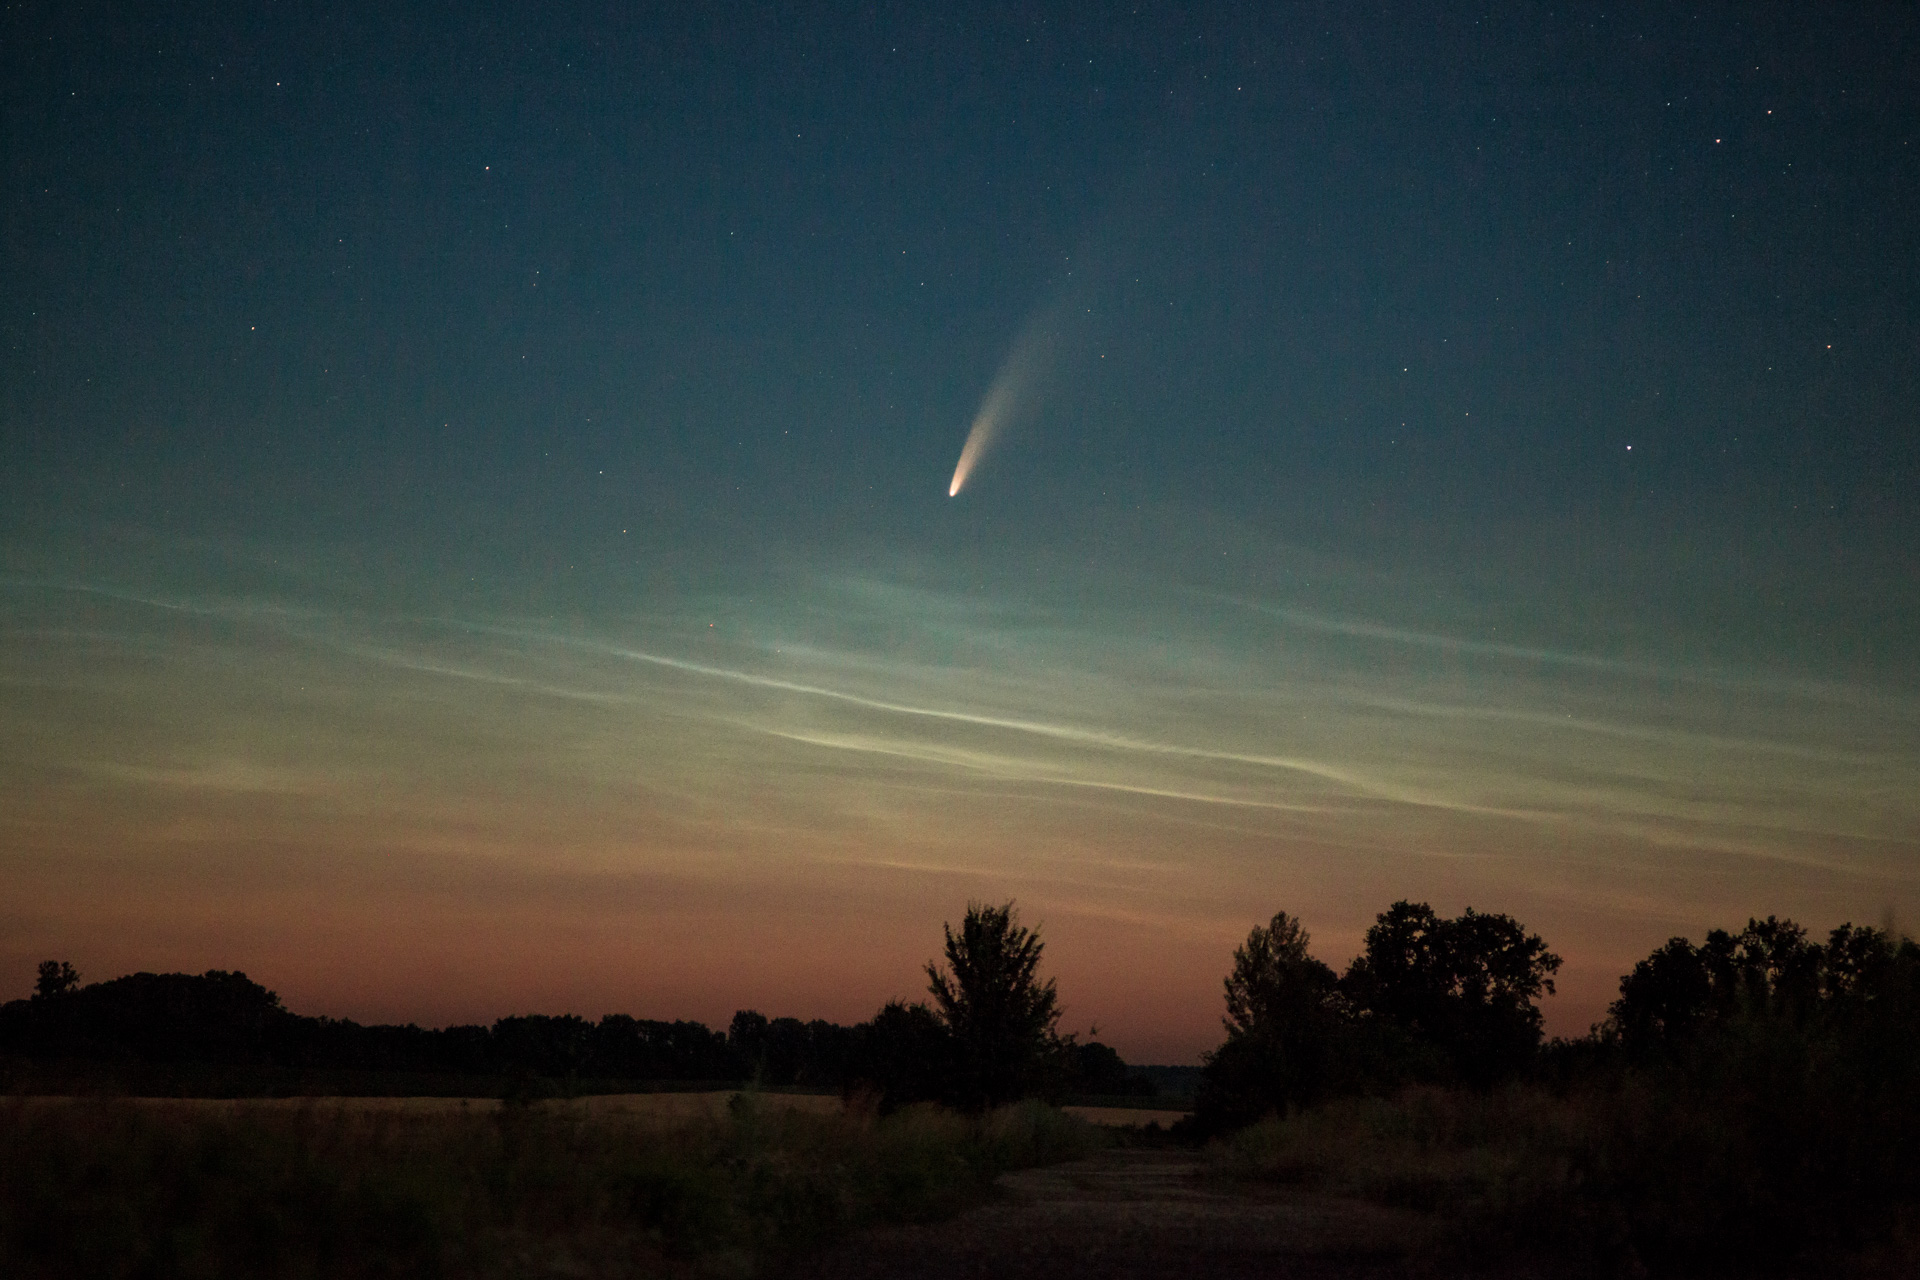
pixel 1588 333
pixel 484 249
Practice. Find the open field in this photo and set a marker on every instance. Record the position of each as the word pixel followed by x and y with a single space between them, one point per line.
pixel 655 1185
pixel 658 1108
pixel 664 1109
pixel 683 1184
pixel 1426 1183
pixel 1126 1117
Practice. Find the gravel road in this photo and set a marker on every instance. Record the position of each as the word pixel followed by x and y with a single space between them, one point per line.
pixel 1132 1214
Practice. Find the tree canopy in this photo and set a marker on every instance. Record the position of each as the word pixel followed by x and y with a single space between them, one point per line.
pixel 1771 968
pixel 1275 985
pixel 1430 998
pixel 1283 1015
pixel 1466 987
pixel 1002 1017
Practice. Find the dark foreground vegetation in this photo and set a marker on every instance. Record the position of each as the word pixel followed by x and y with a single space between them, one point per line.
pixel 124 1189
pixel 1751 1104
pixel 940 1099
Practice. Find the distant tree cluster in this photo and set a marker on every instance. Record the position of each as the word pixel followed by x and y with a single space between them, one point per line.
pixel 1432 999
pixel 226 1019
pixel 989 1036
pixel 1749 1096
pixel 1770 969
pixel 785 1052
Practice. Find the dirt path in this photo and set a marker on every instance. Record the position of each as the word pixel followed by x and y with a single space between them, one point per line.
pixel 1131 1214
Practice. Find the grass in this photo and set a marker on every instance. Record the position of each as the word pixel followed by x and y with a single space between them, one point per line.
pixel 1428 1149
pixel 78 1078
pixel 1617 1179
pixel 121 1189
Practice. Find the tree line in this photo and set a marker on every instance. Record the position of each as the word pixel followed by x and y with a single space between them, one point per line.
pixel 1749 1100
pixel 1433 1000
pixel 1430 1000
pixel 988 1035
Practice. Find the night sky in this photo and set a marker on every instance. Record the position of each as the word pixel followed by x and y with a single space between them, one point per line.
pixel 475 531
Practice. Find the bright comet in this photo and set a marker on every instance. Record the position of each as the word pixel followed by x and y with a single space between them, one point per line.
pixel 1012 386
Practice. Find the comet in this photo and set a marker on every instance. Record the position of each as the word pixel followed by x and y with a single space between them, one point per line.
pixel 1008 394
pixel 994 412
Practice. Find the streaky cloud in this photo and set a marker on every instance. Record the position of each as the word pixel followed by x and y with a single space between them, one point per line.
pixel 1013 769
pixel 1358 629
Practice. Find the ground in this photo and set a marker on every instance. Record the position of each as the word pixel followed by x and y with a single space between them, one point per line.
pixel 1140 1210
pixel 1141 1214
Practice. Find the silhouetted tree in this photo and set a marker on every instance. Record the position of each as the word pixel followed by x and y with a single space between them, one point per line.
pixel 1284 1015
pixel 224 1020
pixel 1095 1068
pixel 215 1017
pixel 1859 963
pixel 1778 965
pixel 1769 968
pixel 1775 1086
pixel 1277 993
pixel 649 1049
pixel 747 1037
pixel 1466 987
pixel 57 978
pixel 905 1055
pixel 829 1057
pixel 787 1051
pixel 543 1045
pixel 1665 1000
pixel 1001 1016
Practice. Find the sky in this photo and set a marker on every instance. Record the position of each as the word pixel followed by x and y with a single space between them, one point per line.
pixel 483 526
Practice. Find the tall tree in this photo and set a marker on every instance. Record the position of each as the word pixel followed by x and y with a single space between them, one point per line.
pixel 1003 1019
pixel 1665 1000
pixel 1275 986
pixel 1284 1017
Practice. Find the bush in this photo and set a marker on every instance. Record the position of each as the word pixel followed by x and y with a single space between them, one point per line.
pixel 1766 1152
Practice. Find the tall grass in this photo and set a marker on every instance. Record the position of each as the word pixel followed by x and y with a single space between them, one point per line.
pixel 1633 1173
pixel 149 1190
pixel 1425 1148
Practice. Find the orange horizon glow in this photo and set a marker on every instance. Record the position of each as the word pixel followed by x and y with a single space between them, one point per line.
pixel 395 820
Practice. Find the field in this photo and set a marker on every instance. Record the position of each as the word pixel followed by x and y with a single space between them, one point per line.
pixel 677 1184
pixel 665 1110
pixel 1429 1182
pixel 669 1185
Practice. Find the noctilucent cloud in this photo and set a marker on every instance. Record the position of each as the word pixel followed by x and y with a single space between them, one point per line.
pixel 472 539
